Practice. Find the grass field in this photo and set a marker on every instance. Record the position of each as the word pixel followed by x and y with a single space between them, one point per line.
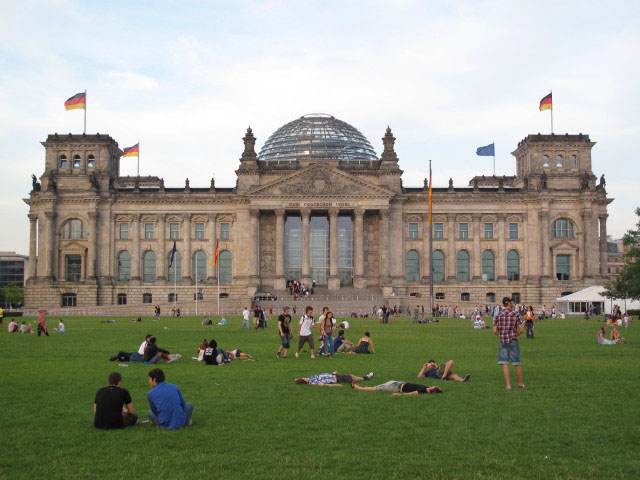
pixel 577 418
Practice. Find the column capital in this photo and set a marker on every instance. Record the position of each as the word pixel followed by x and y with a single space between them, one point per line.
pixel 359 211
pixel 451 217
pixel 502 217
pixel 603 216
pixel 476 217
pixel 254 212
pixel 162 217
pixel 586 214
pixel 32 217
pixel 280 212
pixel 384 211
pixel 50 215
pixel 543 214
pixel 186 217
pixel 135 217
pixel 305 212
pixel 334 211
pixel 92 215
pixel 213 217
pixel 425 217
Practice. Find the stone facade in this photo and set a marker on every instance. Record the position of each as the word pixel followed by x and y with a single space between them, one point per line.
pixel 100 238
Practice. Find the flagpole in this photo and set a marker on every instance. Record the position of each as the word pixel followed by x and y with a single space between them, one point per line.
pixel 494 158
pixel 85 111
pixel 138 175
pixel 218 277
pixel 175 284
pixel 551 111
pixel 430 217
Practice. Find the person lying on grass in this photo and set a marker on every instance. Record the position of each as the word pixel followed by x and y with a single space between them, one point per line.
pixel 112 407
pixel 153 353
pixel 332 379
pixel 237 353
pixel 400 388
pixel 363 345
pixel 443 372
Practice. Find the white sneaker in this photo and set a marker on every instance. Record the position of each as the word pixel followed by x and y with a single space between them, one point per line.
pixel 297 355
pixel 369 376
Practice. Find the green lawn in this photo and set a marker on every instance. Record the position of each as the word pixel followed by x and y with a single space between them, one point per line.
pixel 577 418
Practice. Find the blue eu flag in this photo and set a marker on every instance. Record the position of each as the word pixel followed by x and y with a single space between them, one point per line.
pixel 486 151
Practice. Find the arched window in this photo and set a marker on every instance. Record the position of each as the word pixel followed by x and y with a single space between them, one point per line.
pixel 76 161
pixel 513 266
pixel 149 266
pixel 545 161
pixel 199 266
pixel 63 161
pixel 488 266
pixel 91 161
pixel 225 271
pixel 573 161
pixel 73 229
pixel 123 265
pixel 438 266
pixel 562 228
pixel 412 266
pixel 559 160
pixel 462 266
pixel 175 270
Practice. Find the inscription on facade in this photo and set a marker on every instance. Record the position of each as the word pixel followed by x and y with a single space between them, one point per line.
pixel 319 204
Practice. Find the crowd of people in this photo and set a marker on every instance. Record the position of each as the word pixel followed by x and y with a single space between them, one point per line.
pixel 298 290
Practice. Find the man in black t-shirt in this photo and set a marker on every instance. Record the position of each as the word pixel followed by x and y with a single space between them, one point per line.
pixel 108 406
pixel 284 328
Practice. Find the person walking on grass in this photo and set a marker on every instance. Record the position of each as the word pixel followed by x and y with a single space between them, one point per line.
pixel 284 329
pixel 507 325
pixel 432 370
pixel 168 408
pixel 529 320
pixel 305 335
pixel 42 323
pixel 245 318
pixel 112 407
pixel 326 333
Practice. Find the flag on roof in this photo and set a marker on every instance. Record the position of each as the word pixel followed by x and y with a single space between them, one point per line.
pixel 79 100
pixel 131 151
pixel 486 151
pixel 546 103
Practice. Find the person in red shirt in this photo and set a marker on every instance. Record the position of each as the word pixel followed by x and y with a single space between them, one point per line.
pixel 42 323
pixel 508 326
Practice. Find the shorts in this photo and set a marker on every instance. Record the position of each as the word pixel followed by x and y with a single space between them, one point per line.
pixel 306 338
pixel 391 386
pixel 440 372
pixel 343 378
pixel 286 340
pixel 509 352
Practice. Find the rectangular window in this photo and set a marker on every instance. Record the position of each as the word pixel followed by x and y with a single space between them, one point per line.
pixel 438 230
pixel 173 297
pixel 513 231
pixel 440 296
pixel 515 297
pixel 73 268
pixel 122 299
pixel 464 230
pixel 200 231
pixel 69 300
pixel 174 231
pixel 63 163
pixel 563 267
pixel 147 298
pixel 198 296
pixel 413 230
pixel 148 230
pixel 465 297
pixel 491 297
pixel 488 231
pixel 76 163
pixel 124 231
pixel 225 231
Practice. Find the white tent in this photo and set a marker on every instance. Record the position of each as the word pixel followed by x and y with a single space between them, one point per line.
pixel 581 301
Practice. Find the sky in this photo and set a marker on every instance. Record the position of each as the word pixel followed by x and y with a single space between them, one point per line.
pixel 186 78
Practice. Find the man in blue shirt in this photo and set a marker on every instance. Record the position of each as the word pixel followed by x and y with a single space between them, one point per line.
pixel 168 408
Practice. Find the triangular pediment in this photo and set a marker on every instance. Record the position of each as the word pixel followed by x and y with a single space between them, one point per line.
pixel 564 245
pixel 73 247
pixel 320 180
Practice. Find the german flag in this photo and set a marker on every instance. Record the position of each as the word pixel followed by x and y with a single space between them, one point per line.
pixel 79 100
pixel 546 103
pixel 215 256
pixel 131 151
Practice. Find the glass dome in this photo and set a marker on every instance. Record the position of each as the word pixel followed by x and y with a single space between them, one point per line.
pixel 316 136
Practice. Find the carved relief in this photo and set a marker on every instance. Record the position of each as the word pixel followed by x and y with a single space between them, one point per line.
pixel 371 246
pixel 268 245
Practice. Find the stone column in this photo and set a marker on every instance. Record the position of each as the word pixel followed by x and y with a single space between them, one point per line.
pixel 334 279
pixel 396 245
pixel 358 249
pixel 501 254
pixel 279 283
pixel 545 256
pixel 426 254
pixel 476 261
pixel 583 257
pixel 186 252
pixel 162 254
pixel 51 243
pixel 384 245
pixel 212 271
pixel 135 256
pixel 92 254
pixel 451 247
pixel 305 213
pixel 42 249
pixel 33 235
pixel 255 246
pixel 603 245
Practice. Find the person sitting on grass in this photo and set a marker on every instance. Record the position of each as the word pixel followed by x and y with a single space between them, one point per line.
pixel 206 321
pixel 153 353
pixel 136 320
pixel 615 336
pixel 237 353
pixel 25 328
pixel 112 407
pixel 200 350
pixel 363 345
pixel 442 372
pixel 214 355
pixel 13 326
pixel 400 388
pixel 60 328
pixel 601 337
pixel 341 344
pixel 334 379
pixel 223 321
pixel 168 408
pixel 478 323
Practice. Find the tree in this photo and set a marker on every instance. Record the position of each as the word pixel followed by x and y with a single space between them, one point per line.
pixel 12 294
pixel 627 285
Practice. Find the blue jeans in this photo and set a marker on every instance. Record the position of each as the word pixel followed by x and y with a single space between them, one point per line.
pixel 245 323
pixel 327 342
pixel 188 410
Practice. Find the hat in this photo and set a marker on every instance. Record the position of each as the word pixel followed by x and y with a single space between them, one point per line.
pixel 286 307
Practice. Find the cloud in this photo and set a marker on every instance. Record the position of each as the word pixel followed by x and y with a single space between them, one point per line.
pixel 132 81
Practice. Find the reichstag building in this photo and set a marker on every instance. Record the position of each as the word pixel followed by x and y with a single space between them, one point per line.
pixel 316 204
